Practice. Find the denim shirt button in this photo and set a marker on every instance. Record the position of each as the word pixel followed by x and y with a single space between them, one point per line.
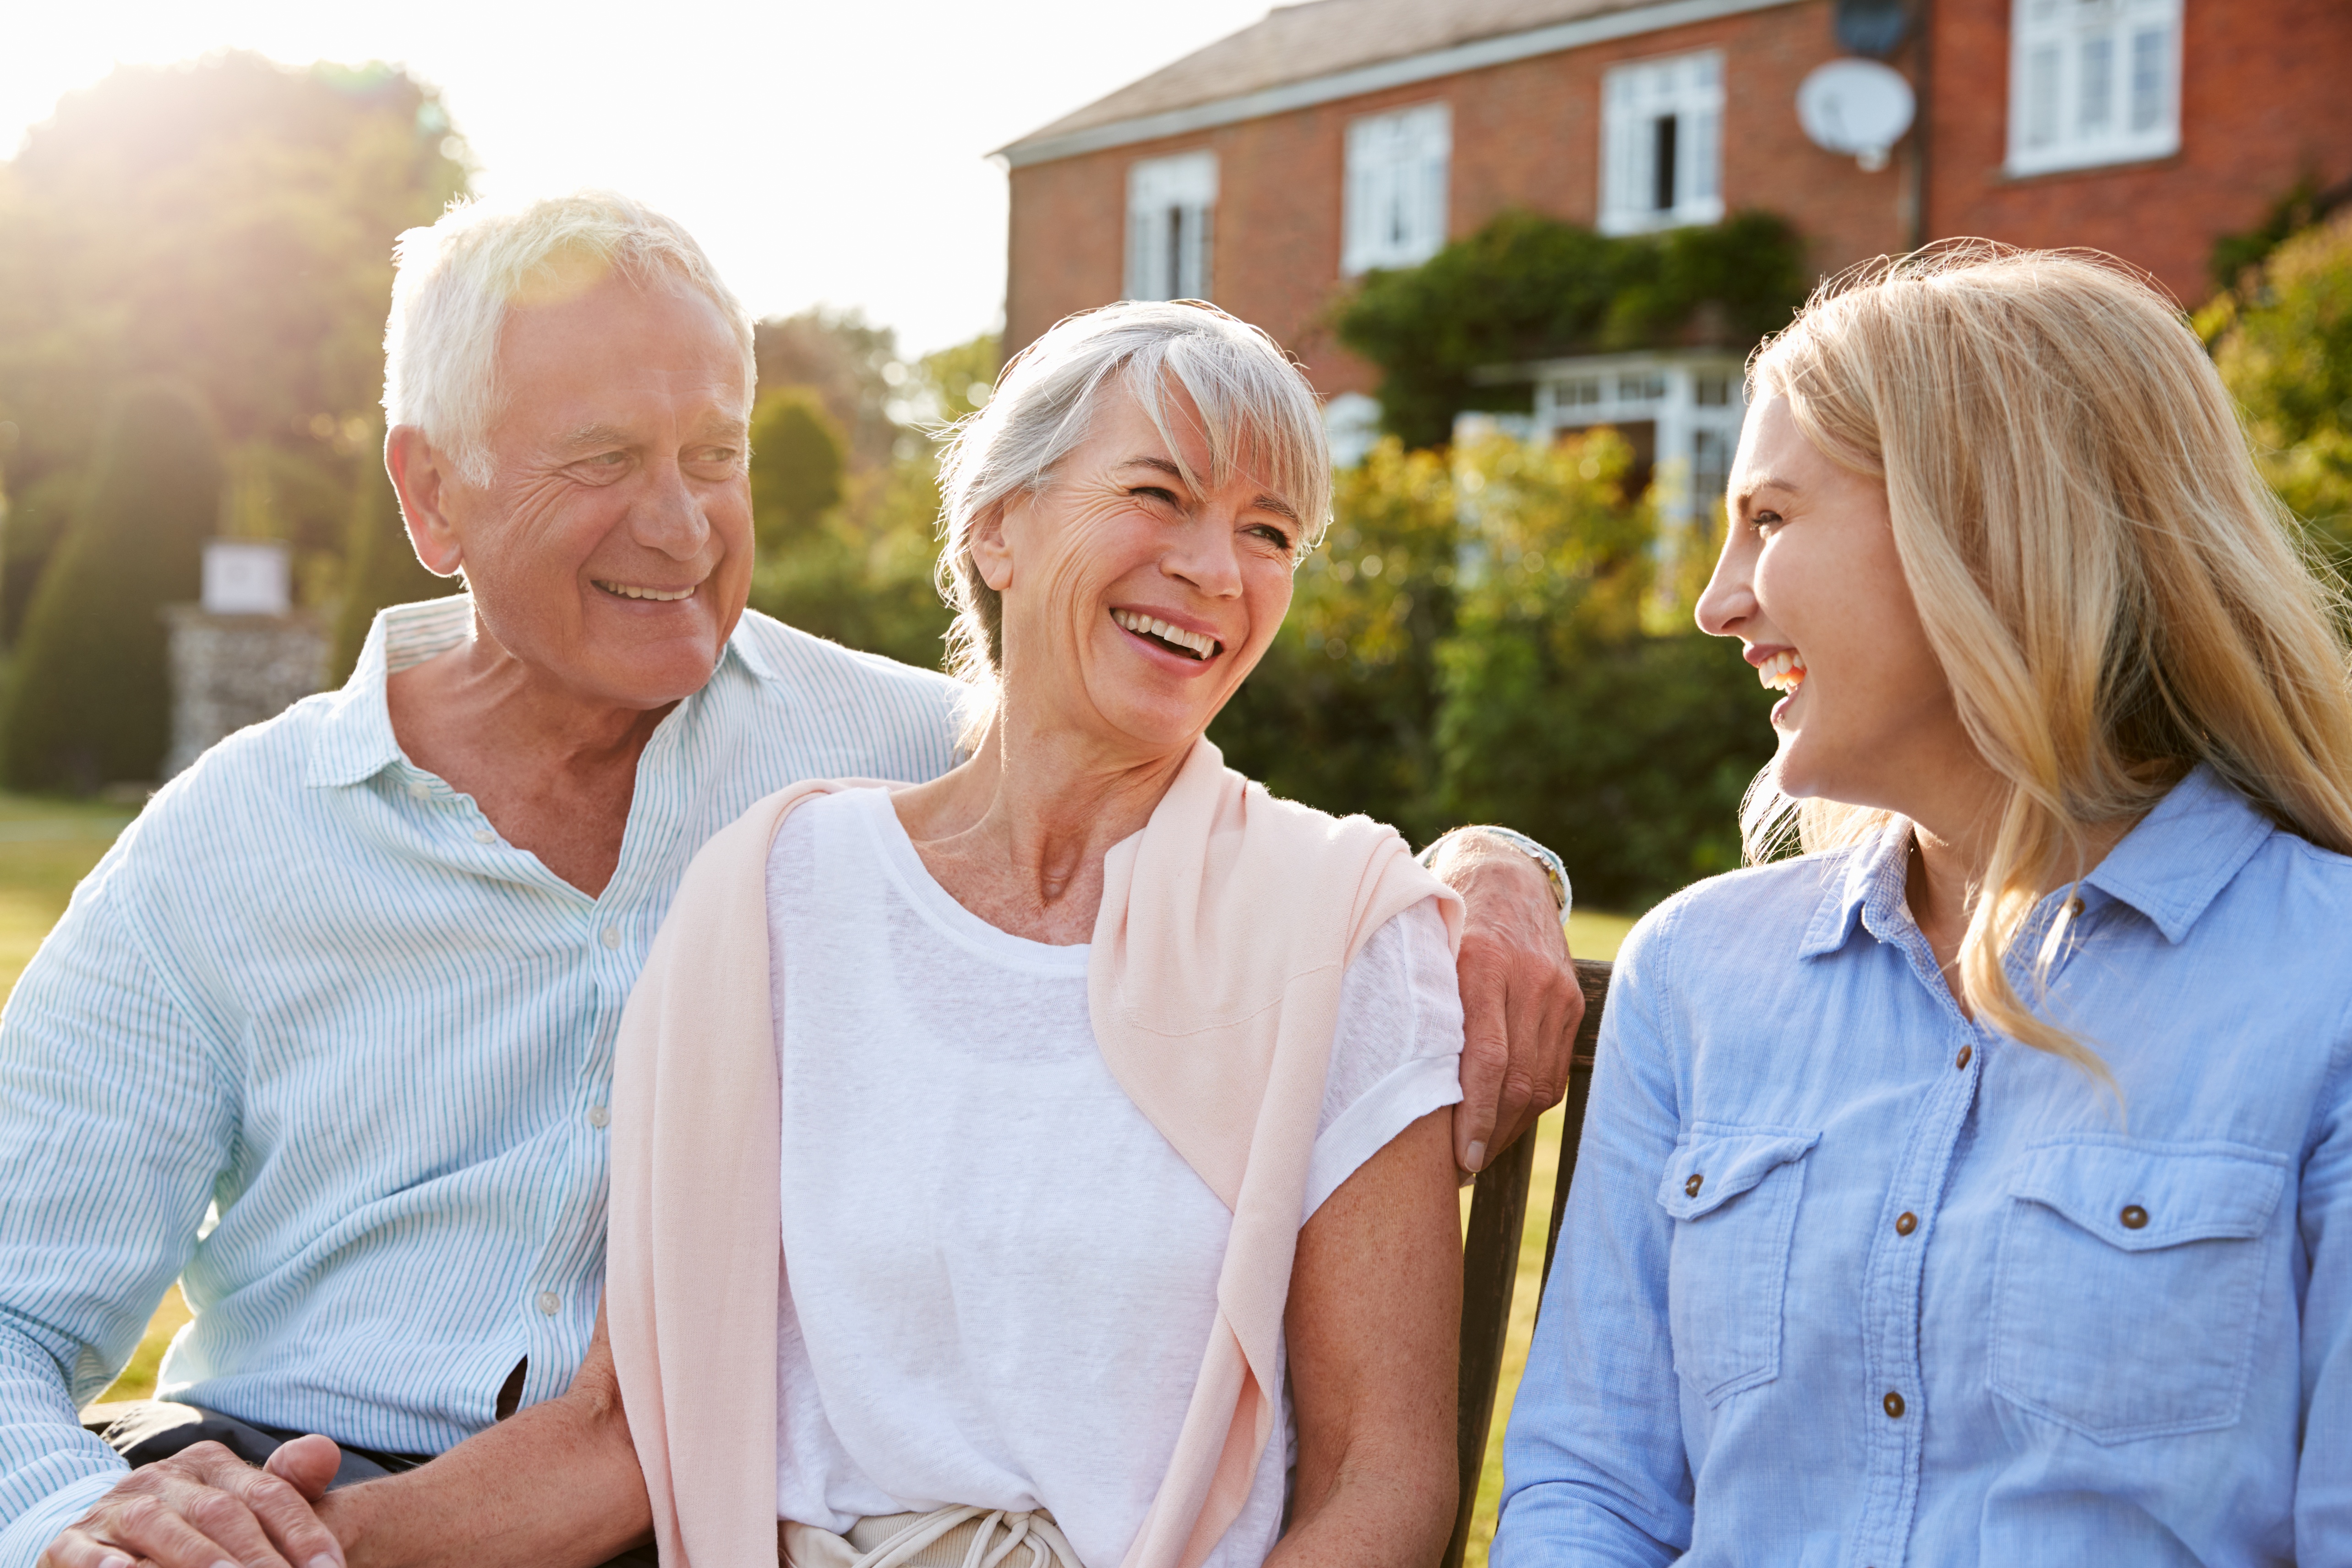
pixel 1905 1223
pixel 1966 1052
pixel 1691 1187
pixel 1893 1403
pixel 2134 1217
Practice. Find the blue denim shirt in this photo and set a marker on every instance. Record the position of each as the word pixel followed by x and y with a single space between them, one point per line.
pixel 1849 1280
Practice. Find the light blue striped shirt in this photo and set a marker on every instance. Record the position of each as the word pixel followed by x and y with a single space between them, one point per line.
pixel 312 985
pixel 1850 1280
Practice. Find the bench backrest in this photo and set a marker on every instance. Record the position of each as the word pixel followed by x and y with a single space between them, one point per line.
pixel 1490 1256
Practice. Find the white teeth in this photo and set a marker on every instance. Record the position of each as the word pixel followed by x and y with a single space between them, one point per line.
pixel 631 591
pixel 1783 671
pixel 1151 625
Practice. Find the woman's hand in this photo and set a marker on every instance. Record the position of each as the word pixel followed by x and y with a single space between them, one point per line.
pixel 1374 1315
pixel 1520 1000
pixel 555 1486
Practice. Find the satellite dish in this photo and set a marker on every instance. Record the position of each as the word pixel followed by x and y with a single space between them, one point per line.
pixel 1856 106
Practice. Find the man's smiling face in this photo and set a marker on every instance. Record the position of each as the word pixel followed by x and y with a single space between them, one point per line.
pixel 611 549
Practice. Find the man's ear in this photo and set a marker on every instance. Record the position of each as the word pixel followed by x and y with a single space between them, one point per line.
pixel 422 475
pixel 991 550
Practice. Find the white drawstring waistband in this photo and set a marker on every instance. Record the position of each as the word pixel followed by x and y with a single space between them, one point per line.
pixel 896 1541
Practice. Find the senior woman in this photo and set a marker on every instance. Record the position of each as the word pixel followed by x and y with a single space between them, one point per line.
pixel 1094 1097
pixel 1976 1187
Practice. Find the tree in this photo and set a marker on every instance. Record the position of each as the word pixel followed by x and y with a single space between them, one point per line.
pixel 796 467
pixel 381 568
pixel 90 700
pixel 2283 345
pixel 852 366
pixel 227 225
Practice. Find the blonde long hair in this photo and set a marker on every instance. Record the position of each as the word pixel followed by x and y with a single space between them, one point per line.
pixel 2114 593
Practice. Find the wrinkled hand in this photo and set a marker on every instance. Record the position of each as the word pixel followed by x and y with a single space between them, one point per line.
pixel 1520 1000
pixel 204 1506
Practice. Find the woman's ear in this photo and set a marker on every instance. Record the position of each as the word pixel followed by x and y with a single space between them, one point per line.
pixel 992 548
pixel 420 474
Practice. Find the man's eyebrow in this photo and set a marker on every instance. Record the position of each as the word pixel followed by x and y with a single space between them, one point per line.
pixel 599 436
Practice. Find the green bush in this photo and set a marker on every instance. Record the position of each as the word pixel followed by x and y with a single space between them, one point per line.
pixel 1471 647
pixel 2283 345
pixel 796 467
pixel 1529 288
pixel 90 700
pixel 380 564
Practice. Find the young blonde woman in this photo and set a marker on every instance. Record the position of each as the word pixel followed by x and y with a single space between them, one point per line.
pixel 1977 1186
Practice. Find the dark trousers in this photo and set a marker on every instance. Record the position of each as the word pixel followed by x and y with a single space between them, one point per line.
pixel 155 1429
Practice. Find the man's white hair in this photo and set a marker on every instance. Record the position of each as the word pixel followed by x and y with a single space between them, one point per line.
pixel 453 284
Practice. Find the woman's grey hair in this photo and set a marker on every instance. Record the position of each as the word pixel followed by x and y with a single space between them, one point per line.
pixel 1256 409
pixel 453 283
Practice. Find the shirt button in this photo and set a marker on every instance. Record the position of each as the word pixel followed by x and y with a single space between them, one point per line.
pixel 484 836
pixel 612 936
pixel 549 1301
pixel 2073 909
pixel 1905 1223
pixel 1893 1403
pixel 418 789
pixel 2134 1217
pixel 1966 1052
pixel 1691 1187
pixel 598 1115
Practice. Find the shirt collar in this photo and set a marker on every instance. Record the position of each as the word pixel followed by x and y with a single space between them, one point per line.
pixel 2170 866
pixel 354 741
pixel 2182 853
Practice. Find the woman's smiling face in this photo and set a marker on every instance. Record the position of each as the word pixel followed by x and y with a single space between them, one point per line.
pixel 1811 586
pixel 1133 602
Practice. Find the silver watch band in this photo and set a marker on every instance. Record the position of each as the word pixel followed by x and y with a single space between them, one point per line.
pixel 1552 868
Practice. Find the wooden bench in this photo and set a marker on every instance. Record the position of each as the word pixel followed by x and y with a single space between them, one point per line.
pixel 1490 1256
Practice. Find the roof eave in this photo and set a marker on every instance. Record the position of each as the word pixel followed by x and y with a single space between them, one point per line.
pixel 1402 71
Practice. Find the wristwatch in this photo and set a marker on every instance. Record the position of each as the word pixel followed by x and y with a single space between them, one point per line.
pixel 1553 868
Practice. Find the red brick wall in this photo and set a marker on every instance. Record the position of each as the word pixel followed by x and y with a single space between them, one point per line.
pixel 1526 133
pixel 2266 96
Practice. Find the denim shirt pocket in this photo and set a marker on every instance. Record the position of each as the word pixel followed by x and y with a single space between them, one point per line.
pixel 2129 1277
pixel 1732 1194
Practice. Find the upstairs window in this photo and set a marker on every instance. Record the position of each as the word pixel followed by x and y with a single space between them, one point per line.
pixel 1662 143
pixel 1396 187
pixel 1170 210
pixel 2092 81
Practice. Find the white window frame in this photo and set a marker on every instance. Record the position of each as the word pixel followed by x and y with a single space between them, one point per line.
pixel 1635 99
pixel 2092 82
pixel 1396 187
pixel 1171 209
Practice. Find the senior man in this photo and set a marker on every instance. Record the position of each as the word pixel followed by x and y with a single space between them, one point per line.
pixel 353 979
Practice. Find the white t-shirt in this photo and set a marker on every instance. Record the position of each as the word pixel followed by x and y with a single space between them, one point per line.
pixel 999 1278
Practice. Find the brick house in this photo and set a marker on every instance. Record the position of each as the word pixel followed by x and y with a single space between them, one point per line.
pixel 1268 170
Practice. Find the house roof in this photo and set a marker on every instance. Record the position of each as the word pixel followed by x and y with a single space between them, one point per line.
pixel 1324 49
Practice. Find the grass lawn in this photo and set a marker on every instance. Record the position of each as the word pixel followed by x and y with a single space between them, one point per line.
pixel 48 845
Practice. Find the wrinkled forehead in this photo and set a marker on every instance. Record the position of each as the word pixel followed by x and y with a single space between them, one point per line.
pixel 1216 438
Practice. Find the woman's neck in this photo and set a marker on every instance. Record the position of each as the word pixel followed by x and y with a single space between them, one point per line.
pixel 1018 834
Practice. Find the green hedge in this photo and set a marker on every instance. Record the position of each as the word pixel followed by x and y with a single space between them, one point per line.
pixel 90 700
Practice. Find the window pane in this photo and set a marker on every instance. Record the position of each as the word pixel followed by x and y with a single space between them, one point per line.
pixel 2042 97
pixel 2097 86
pixel 1662 163
pixel 2147 78
pixel 1712 391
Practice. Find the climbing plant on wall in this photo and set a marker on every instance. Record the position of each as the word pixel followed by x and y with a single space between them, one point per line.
pixel 1526 287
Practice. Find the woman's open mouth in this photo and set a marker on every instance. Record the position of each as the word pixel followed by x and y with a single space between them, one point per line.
pixel 1198 645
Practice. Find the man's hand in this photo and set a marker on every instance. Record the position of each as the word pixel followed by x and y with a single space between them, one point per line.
pixel 1520 1000
pixel 204 1506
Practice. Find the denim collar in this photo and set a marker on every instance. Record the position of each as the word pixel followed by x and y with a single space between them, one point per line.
pixel 2169 868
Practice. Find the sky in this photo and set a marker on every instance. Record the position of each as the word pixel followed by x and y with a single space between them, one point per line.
pixel 830 153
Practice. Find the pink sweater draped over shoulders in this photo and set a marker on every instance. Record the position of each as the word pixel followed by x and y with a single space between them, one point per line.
pixel 1214 988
